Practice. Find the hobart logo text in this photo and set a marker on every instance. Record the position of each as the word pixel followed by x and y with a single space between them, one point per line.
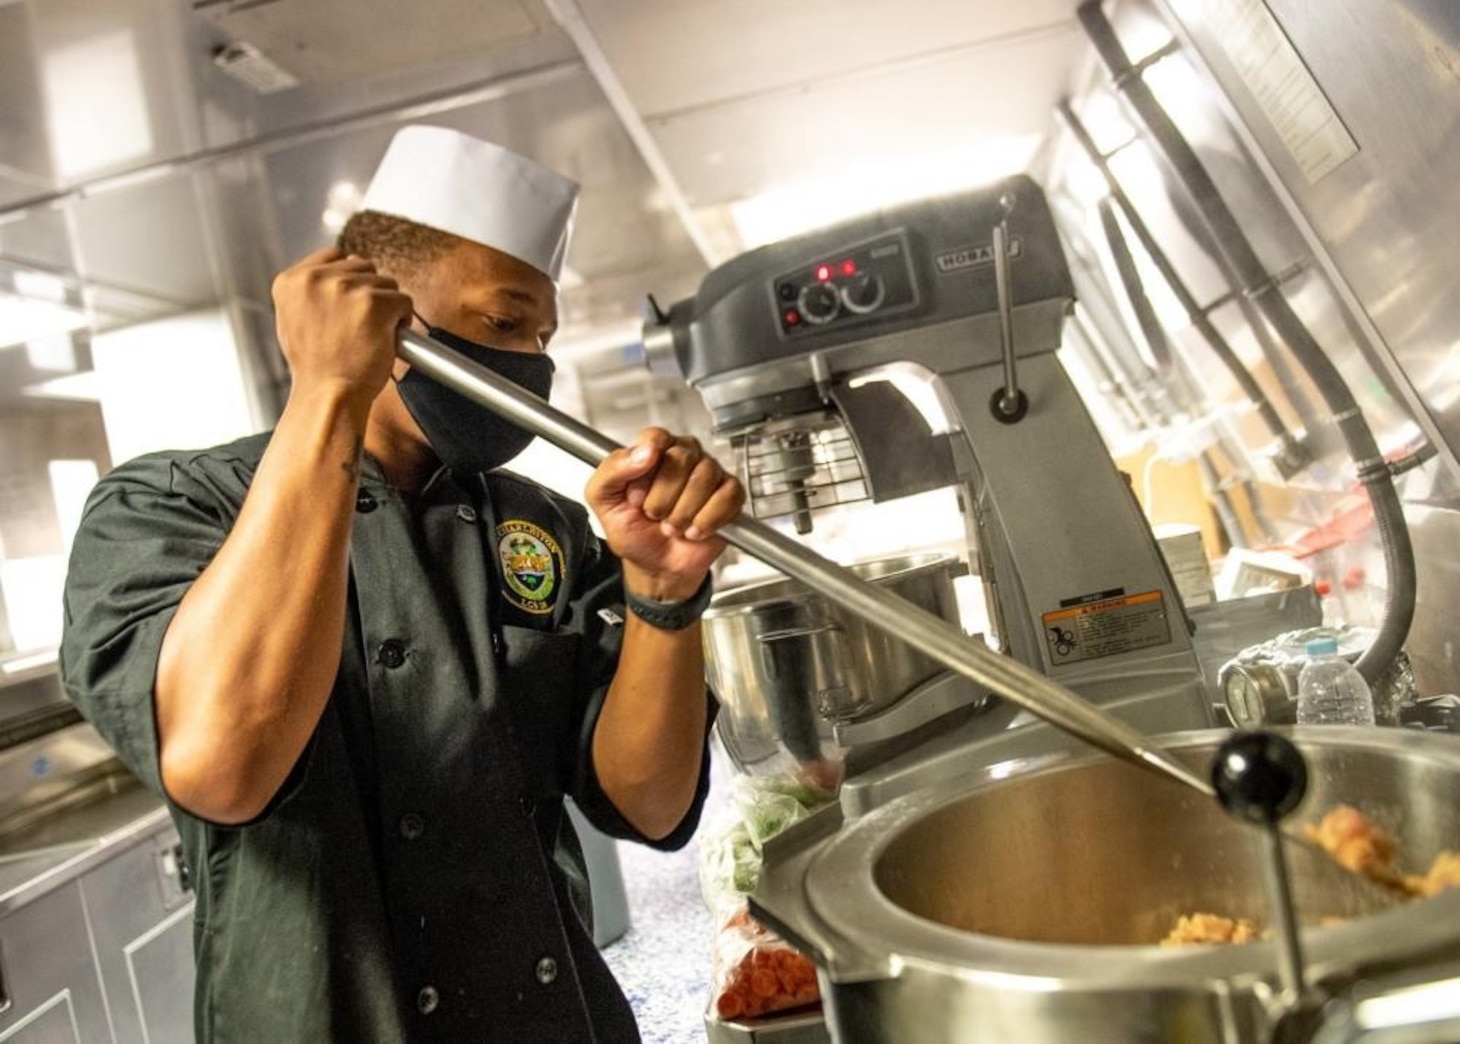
pixel 973 256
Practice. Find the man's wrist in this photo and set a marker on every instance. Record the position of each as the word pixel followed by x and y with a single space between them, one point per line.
pixel 336 399
pixel 659 587
pixel 670 615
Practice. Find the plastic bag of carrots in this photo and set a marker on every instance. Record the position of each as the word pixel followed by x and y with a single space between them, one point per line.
pixel 756 972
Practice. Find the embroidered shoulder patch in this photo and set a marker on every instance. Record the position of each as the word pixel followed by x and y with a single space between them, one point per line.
pixel 532 566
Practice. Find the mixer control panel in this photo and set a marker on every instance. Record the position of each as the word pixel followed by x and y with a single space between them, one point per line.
pixel 866 281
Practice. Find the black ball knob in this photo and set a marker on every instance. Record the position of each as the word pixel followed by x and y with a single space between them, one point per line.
pixel 1259 777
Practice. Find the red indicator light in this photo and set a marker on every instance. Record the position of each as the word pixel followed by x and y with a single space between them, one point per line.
pixel 823 272
pixel 792 318
pixel 849 267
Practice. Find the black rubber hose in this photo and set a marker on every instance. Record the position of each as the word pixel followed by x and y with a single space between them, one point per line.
pixel 1373 472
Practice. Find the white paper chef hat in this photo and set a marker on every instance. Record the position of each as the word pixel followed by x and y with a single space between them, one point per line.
pixel 454 183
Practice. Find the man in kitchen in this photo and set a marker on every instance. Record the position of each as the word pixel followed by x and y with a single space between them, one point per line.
pixel 364 665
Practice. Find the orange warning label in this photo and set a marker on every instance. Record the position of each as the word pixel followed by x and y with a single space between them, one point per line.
pixel 1107 627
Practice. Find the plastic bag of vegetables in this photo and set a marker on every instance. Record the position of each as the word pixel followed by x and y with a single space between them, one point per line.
pixel 755 972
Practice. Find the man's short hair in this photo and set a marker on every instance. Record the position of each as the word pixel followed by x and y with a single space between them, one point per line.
pixel 394 243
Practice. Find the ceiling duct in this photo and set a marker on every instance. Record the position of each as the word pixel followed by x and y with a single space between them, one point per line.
pixel 337 41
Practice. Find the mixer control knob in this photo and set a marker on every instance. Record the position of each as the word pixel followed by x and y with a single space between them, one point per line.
pixel 819 303
pixel 864 293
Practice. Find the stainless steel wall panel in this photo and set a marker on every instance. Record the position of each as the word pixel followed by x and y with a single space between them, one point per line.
pixel 1434 644
pixel 32 433
pixel 1389 217
pixel 151 238
pixel 25 163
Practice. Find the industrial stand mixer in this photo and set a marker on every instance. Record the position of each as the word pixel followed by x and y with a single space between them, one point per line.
pixel 811 355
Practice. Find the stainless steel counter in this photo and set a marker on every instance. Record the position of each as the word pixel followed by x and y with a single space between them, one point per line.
pixel 67 845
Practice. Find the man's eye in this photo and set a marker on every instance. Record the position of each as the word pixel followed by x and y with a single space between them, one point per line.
pixel 501 323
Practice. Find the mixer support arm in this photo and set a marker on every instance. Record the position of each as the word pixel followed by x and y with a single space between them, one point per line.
pixel 1010 404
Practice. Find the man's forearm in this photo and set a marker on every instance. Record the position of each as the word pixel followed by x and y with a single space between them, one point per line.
pixel 249 660
pixel 649 741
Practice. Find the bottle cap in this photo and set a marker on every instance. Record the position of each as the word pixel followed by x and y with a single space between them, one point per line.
pixel 1322 647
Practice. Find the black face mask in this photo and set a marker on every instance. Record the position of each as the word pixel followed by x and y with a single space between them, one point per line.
pixel 467 437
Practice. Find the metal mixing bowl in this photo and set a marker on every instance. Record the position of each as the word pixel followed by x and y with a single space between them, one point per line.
pixel 786 663
pixel 1022 902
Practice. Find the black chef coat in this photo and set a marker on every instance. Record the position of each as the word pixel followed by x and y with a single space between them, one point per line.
pixel 416 877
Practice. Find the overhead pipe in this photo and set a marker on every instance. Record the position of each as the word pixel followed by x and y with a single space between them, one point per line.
pixel 1263 291
pixel 1095 301
pixel 1155 336
pixel 1155 399
pixel 1290 455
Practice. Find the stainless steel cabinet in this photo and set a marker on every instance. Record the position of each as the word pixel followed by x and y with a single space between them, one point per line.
pixel 141 924
pixel 105 957
pixel 52 993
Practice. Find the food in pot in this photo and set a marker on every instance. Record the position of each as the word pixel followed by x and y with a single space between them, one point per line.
pixel 1444 873
pixel 1355 842
pixel 1204 928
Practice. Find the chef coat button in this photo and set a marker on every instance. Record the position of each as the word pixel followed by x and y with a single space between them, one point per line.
pixel 365 502
pixel 427 1000
pixel 466 513
pixel 547 971
pixel 497 643
pixel 392 653
pixel 528 806
pixel 412 826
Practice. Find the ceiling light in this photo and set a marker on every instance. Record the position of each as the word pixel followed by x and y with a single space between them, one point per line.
pixel 29 319
pixel 252 68
pixel 43 286
pixel 96 104
pixel 789 210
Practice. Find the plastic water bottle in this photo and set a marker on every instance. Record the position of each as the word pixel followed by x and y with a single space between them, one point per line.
pixel 1330 690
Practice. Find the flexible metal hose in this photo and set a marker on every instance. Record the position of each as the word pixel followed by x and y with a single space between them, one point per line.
pixel 1259 286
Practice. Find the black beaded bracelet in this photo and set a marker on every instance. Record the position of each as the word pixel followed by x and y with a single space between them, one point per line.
pixel 671 616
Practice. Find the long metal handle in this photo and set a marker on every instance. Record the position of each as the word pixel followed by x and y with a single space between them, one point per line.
pixel 912 624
